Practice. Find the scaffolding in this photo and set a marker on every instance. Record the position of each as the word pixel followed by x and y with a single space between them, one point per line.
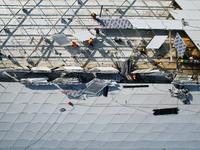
pixel 27 28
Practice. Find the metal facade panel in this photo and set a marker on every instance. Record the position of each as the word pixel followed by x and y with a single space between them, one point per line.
pixel 116 124
pixel 83 35
pixel 156 42
pixel 194 35
pixel 139 24
pixel 187 4
pixel 156 24
pixel 179 14
pixel 61 39
pixel 172 24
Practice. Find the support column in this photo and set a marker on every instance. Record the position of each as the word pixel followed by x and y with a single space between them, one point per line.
pixel 170 45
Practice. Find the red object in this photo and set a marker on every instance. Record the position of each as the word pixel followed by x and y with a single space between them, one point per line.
pixel 71 104
pixel 74 44
pixel 134 76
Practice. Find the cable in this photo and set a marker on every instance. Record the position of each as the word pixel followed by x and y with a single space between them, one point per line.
pixel 47 130
pixel 132 107
pixel 44 133
pixel 186 109
pixel 159 89
pixel 129 106
pixel 189 110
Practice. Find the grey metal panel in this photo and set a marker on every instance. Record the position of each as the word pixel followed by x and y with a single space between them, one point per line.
pixel 65 127
pixel 27 135
pixel 111 128
pixel 156 42
pixel 118 136
pixel 24 118
pixel 23 98
pixel 42 118
pixel 34 127
pixel 5 126
pixel 179 14
pixel 15 88
pixel 47 108
pixel 66 144
pixel 156 24
pixel 120 119
pixel 16 108
pixel 111 110
pixel 72 136
pixel 196 4
pixel 12 135
pixel 38 98
pixel 194 36
pixel 110 145
pixel 58 136
pixel 79 128
pixel 55 98
pixel 115 125
pixel 188 4
pixel 21 143
pixel 95 145
pixel 32 108
pixel 193 14
pixel 6 143
pixel 80 109
pixel 72 118
pixel 51 144
pixel 8 97
pixel 128 127
pixel 87 119
pixel 88 136
pixel 95 110
pixel 2 134
pixel 9 117
pixel 19 127
pixel 104 119
pixel 61 39
pixel 104 136
pixel 96 128
pixel 4 107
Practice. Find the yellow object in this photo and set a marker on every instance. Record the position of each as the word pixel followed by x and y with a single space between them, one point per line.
pixel 159 62
pixel 90 41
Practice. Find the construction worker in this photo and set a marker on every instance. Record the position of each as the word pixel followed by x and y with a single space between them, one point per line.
pixel 134 76
pixel 143 51
pixel 74 44
pixel 94 15
pixel 159 62
pixel 90 42
pixel 97 31
pixel 9 57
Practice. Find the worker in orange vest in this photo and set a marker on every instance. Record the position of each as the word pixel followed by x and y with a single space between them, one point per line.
pixel 90 42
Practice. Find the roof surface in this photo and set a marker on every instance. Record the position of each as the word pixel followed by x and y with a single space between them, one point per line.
pixel 30 117
pixel 47 117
